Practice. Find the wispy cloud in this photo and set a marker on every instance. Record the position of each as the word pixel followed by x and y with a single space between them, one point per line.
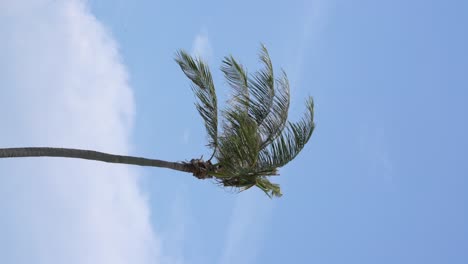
pixel 63 84
pixel 246 230
pixel 202 46
pixel 174 236
pixel 186 136
pixel 315 19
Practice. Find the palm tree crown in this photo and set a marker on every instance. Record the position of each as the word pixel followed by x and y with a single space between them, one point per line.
pixel 254 137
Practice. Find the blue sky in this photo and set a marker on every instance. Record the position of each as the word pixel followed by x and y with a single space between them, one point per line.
pixel 383 179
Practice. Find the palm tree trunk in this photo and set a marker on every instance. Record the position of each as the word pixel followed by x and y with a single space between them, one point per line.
pixel 93 155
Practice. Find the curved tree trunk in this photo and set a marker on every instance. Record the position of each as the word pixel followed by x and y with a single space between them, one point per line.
pixel 94 155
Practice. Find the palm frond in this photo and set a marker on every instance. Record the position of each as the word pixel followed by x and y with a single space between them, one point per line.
pixel 255 93
pixel 247 182
pixel 202 85
pixel 290 143
pixel 236 77
pixel 238 147
pixel 262 88
pixel 269 188
pixel 275 121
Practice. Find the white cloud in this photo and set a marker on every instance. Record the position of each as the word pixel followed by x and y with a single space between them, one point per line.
pixel 246 231
pixel 62 84
pixel 175 234
pixel 202 46
pixel 316 17
pixel 186 136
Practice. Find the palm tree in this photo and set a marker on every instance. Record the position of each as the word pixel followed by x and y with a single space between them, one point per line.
pixel 248 145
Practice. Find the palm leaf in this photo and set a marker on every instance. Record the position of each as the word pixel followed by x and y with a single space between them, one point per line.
pixel 275 121
pixel 238 147
pixel 202 85
pixel 290 143
pixel 261 88
pixel 236 77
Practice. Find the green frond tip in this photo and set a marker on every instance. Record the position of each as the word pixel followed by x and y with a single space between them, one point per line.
pixel 244 183
pixel 269 188
pixel 256 137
